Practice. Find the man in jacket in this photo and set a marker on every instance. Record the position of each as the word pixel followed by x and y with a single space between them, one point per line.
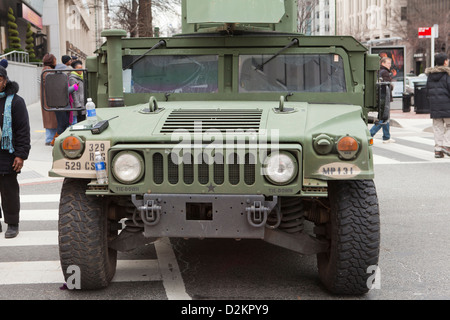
pixel 438 94
pixel 385 75
pixel 14 149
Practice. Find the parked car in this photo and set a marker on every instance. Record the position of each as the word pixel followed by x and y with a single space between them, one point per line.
pixel 409 82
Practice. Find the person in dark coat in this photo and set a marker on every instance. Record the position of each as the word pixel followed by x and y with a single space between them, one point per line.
pixel 14 149
pixel 438 94
pixel 385 76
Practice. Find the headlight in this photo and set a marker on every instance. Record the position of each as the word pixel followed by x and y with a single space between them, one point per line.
pixel 127 167
pixel 280 168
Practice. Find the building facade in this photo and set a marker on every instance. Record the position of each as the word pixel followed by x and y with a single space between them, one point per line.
pixel 323 18
pixel 395 23
pixel 59 27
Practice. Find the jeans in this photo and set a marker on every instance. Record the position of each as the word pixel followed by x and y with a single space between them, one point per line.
pixel 378 126
pixel 49 134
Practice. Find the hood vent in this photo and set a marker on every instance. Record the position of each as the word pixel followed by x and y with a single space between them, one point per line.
pixel 206 119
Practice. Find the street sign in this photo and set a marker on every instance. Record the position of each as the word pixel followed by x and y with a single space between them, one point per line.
pixel 425 32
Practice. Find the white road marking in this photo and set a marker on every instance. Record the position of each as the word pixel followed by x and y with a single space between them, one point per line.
pixel 39 198
pixel 171 275
pixel 30 272
pixel 39 215
pixel 31 238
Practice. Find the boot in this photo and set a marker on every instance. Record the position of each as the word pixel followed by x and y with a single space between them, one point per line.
pixel 12 231
pixel 54 138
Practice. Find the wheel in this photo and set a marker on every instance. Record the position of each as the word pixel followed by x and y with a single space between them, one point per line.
pixel 83 236
pixel 354 234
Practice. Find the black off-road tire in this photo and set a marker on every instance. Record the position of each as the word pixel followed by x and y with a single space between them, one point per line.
pixel 354 234
pixel 83 236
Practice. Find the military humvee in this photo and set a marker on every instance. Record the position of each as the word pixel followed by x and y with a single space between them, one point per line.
pixel 239 127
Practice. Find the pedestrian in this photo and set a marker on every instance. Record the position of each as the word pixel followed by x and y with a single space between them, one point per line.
pixel 14 150
pixel 65 63
pixel 438 94
pixel 64 118
pixel 77 97
pixel 48 117
pixel 386 76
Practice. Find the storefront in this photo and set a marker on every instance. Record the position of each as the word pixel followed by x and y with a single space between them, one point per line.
pixel 25 12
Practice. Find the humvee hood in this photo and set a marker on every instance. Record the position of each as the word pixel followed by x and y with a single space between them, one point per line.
pixel 298 119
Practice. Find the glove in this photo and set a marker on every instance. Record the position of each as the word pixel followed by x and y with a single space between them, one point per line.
pixel 75 86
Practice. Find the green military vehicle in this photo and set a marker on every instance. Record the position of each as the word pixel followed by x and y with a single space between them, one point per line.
pixel 239 127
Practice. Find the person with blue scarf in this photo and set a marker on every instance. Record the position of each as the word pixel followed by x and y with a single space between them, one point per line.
pixel 14 149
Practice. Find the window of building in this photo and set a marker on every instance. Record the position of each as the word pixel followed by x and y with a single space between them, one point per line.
pixel 404 13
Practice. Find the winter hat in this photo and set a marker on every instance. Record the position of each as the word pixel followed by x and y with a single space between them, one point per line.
pixel 65 59
pixel 3 73
pixel 4 63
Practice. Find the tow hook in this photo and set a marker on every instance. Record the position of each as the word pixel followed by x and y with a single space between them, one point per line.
pixel 149 210
pixel 257 214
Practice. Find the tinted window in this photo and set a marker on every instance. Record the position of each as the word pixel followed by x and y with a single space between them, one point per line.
pixel 294 73
pixel 180 74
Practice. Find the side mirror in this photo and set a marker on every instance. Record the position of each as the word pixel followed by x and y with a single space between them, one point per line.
pixel 383 100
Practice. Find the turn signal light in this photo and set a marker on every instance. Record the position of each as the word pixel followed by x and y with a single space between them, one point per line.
pixel 71 143
pixel 347 144
pixel 347 147
pixel 72 147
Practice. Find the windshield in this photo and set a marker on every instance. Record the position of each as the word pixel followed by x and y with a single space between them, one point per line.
pixel 293 73
pixel 178 74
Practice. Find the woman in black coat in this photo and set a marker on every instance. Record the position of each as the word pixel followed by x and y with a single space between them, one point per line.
pixel 14 149
pixel 438 94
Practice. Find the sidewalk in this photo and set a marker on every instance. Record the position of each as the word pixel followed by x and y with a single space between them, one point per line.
pixel 39 162
pixel 410 120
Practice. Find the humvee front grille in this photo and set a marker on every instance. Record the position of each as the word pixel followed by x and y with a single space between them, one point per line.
pixel 222 120
pixel 168 167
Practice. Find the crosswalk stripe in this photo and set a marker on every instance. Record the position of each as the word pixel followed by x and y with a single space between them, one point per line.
pixel 39 215
pixel 31 238
pixel 377 159
pixel 30 272
pixel 39 198
pixel 413 152
pixel 429 142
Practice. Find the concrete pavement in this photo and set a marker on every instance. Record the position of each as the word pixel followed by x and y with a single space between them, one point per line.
pixel 36 168
pixel 409 120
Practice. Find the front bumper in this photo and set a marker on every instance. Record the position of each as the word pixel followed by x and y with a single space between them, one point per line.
pixel 204 216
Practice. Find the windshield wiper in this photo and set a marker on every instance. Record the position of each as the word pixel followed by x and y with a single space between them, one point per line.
pixel 156 46
pixel 293 42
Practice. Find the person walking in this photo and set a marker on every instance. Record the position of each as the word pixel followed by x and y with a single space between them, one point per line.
pixel 385 75
pixel 14 150
pixel 438 94
pixel 48 117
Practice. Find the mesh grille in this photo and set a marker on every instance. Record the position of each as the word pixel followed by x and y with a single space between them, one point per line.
pixel 158 168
